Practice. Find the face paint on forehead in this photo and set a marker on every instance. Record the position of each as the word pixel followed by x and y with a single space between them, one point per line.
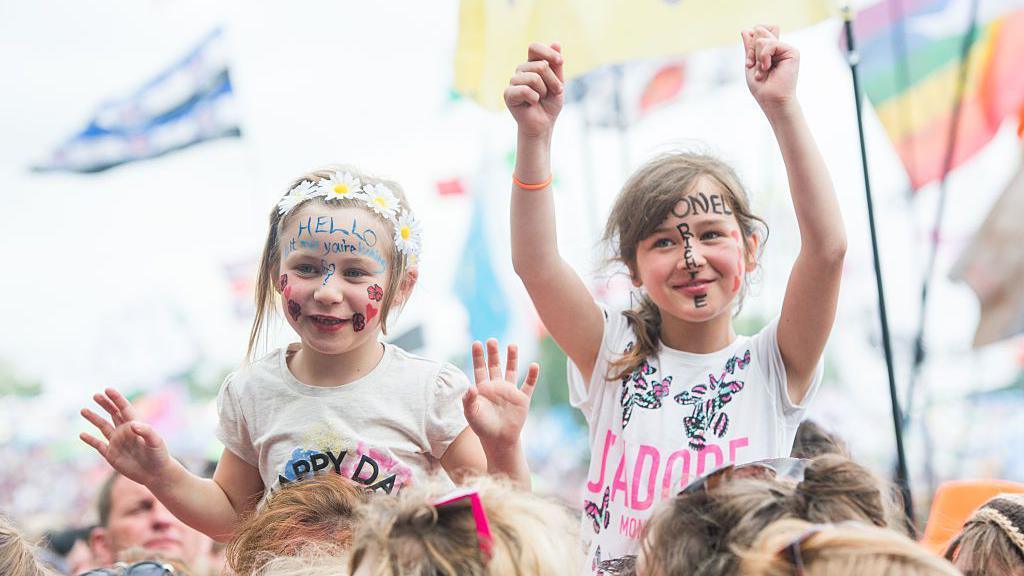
pixel 701 203
pixel 355 238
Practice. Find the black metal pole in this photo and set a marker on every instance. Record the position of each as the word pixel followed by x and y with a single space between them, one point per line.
pixel 902 478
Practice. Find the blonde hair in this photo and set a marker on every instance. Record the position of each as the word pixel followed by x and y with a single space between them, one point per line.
pixel 408 535
pixel 839 550
pixel 646 199
pixel 270 261
pixel 694 533
pixel 992 539
pixel 138 554
pixel 314 561
pixel 16 553
pixel 319 513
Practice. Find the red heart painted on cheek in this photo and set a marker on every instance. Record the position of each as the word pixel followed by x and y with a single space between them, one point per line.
pixel 370 311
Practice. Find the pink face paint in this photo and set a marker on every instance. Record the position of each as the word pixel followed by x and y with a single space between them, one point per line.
pixel 739 261
pixel 370 311
pixel 287 292
pixel 375 292
pixel 294 310
pixel 358 322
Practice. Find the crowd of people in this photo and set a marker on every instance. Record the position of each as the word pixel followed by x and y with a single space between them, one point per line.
pixel 344 454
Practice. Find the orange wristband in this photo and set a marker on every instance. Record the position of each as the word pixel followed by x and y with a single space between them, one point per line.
pixel 540 186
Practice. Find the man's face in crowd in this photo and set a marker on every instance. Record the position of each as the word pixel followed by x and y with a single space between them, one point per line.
pixel 138 520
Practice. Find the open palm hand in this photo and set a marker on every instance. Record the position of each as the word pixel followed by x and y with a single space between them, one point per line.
pixel 495 408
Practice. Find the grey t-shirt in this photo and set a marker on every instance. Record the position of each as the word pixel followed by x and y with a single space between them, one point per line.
pixel 382 430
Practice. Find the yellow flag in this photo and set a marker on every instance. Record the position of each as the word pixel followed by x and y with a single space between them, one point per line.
pixel 494 34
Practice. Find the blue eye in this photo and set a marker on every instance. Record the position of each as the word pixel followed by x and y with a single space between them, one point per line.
pixel 355 273
pixel 662 243
pixel 307 269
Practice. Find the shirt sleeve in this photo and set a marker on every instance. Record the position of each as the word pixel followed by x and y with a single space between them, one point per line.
pixel 232 429
pixel 767 348
pixel 581 393
pixel 445 418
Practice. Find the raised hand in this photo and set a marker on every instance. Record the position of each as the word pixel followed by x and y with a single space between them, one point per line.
pixel 131 447
pixel 495 408
pixel 771 66
pixel 535 92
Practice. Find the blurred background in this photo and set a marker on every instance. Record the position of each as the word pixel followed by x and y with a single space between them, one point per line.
pixel 144 143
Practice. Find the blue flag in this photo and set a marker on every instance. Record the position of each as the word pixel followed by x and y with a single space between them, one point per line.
pixel 188 103
pixel 476 283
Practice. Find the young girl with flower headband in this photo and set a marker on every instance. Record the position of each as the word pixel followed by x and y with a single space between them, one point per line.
pixel 340 254
pixel 668 388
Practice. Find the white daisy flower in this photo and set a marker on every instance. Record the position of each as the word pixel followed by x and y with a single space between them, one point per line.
pixel 382 200
pixel 408 234
pixel 341 186
pixel 297 195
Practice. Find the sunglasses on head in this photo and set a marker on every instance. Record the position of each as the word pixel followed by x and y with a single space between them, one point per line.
pixel 145 568
pixel 483 529
pixel 770 468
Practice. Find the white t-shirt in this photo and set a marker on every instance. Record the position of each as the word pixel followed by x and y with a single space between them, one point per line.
pixel 676 418
pixel 382 430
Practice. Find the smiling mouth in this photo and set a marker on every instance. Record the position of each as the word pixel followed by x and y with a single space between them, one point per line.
pixel 326 320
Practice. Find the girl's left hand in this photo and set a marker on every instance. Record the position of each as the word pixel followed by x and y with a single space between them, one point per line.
pixel 495 408
pixel 771 66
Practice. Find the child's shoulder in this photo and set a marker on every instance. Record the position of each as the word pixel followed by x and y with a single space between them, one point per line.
pixel 265 367
pixel 412 364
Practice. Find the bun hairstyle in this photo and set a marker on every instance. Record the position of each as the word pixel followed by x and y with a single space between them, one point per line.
pixel 992 539
pixel 696 533
pixel 318 514
pixel 813 440
pixel 849 549
pixel 408 535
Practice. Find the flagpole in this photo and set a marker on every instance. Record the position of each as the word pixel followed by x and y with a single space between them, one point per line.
pixel 902 478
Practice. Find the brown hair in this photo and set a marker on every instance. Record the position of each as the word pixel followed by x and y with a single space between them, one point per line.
pixel 847 549
pixel 992 540
pixel 16 554
pixel 812 440
pixel 694 533
pixel 646 199
pixel 410 536
pixel 104 500
pixel 270 261
pixel 321 511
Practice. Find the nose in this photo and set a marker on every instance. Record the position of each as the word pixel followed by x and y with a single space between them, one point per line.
pixel 162 518
pixel 693 257
pixel 329 291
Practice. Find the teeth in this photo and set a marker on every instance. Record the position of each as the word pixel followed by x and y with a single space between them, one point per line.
pixel 328 320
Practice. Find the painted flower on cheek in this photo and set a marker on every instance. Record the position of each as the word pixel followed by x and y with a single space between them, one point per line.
pixel 375 293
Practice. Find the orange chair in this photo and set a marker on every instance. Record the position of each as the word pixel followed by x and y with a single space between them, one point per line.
pixel 954 502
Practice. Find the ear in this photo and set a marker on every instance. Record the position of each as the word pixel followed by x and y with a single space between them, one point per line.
pixel 101 551
pixel 406 285
pixel 751 254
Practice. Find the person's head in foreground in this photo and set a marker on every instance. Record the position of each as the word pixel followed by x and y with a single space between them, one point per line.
pixel 697 531
pixel 794 547
pixel 316 516
pixel 992 539
pixel 487 527
pixel 17 554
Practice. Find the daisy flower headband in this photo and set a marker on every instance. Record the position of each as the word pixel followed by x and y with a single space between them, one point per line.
pixel 377 197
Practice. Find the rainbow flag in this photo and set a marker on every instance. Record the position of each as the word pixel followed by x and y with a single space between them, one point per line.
pixel 916 104
pixel 494 34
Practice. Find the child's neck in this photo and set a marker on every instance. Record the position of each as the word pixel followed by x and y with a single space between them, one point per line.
pixel 318 369
pixel 697 337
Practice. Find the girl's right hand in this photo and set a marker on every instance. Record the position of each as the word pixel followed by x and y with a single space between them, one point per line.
pixel 536 91
pixel 132 447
